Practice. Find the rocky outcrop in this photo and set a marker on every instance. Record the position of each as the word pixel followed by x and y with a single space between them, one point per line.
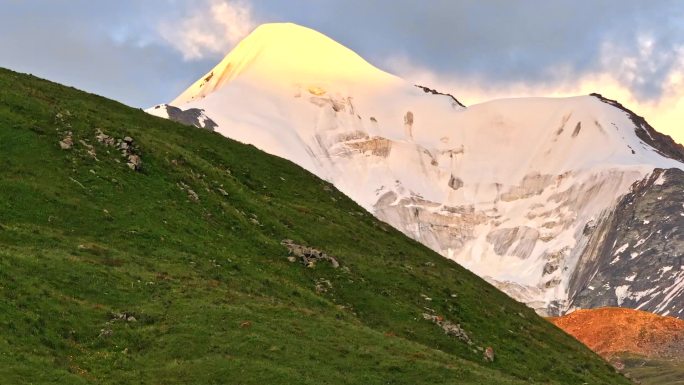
pixel 437 226
pixel 191 117
pixel 428 90
pixel 127 146
pixel 130 151
pixel 68 142
pixel 408 124
pixel 532 184
pixel 635 257
pixel 518 241
pixel 308 256
pixel 192 195
pixel 376 146
pixel 665 145
pixel 545 222
pixel 450 328
pixel 488 354
pixel 455 183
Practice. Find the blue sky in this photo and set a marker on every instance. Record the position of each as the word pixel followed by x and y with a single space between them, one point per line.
pixel 146 52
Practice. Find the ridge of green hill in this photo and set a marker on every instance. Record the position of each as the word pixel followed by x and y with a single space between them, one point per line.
pixel 177 273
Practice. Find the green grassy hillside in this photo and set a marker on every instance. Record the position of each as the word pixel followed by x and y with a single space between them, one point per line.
pixel 175 273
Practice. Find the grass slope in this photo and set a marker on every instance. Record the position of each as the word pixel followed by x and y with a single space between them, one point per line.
pixel 654 371
pixel 213 295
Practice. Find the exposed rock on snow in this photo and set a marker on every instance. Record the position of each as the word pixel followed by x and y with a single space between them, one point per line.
pixel 455 183
pixel 379 147
pixel 643 236
pixel 191 117
pixel 428 90
pixel 664 144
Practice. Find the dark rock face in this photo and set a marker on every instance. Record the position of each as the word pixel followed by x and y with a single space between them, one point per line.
pixel 435 92
pixel 664 144
pixel 635 257
pixel 455 183
pixel 191 117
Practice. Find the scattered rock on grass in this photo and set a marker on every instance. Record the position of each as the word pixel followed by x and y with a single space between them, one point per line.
pixel 130 152
pixel 489 354
pixel 104 139
pixel 323 285
pixel 450 328
pixel 308 256
pixel 89 149
pixel 127 146
pixel 134 162
pixel 124 316
pixel 62 118
pixel 68 142
pixel 192 195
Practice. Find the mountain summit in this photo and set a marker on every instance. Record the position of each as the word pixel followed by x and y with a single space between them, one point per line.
pixel 562 203
pixel 275 54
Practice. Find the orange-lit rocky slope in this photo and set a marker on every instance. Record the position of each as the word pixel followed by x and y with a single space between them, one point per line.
pixel 611 331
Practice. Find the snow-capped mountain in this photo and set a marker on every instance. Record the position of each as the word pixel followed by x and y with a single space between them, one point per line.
pixel 537 195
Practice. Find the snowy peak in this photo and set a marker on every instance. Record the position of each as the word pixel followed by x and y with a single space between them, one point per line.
pixel 283 54
pixel 519 191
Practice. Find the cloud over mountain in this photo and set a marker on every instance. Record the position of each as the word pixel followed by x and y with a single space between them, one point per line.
pixel 210 27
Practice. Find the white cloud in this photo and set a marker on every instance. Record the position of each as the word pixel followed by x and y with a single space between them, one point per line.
pixel 211 29
pixel 646 68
